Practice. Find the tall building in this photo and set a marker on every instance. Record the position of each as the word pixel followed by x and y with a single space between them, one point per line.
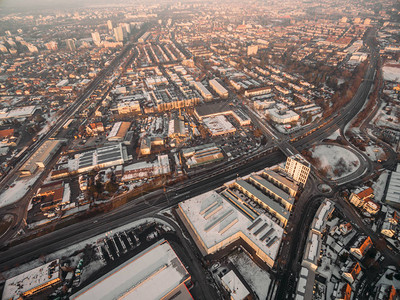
pixel 70 44
pixel 298 168
pixel 110 25
pixel 96 38
pixel 118 34
pixel 126 27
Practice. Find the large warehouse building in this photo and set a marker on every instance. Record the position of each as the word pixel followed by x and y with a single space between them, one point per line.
pixel 101 158
pixel 217 220
pixel 41 157
pixel 155 273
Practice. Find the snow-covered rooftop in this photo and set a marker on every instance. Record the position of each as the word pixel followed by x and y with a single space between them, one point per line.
pixel 322 213
pixel 236 287
pixel 30 280
pixel 217 221
pixel 151 274
pixel 219 125
pixel 393 191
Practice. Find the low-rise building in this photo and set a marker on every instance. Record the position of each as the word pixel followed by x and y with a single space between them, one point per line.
pixel 41 157
pixel 234 286
pixel 118 131
pixel 219 125
pixel 393 191
pixel 32 282
pixel 282 116
pixel 218 88
pixel 361 247
pixel 155 273
pixel 215 223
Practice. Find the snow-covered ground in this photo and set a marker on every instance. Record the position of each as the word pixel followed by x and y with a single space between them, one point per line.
pixel 337 161
pixel 258 279
pixel 334 135
pixel 374 153
pixel 379 185
pixel 15 193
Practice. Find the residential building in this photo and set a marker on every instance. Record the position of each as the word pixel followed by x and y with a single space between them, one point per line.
pixel 298 168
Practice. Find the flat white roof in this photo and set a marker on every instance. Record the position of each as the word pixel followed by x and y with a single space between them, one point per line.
pixel 151 274
pixel 236 287
pixel 219 124
pixel 312 251
pixel 215 220
pixel 29 280
pixel 393 192
pixel 321 217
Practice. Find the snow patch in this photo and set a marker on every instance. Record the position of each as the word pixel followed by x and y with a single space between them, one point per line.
pixel 258 279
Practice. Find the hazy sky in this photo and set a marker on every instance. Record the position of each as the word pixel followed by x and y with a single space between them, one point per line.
pixel 40 4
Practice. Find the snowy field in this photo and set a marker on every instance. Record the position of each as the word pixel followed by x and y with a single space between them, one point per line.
pixel 391 73
pixel 338 162
pixel 15 193
pixel 258 279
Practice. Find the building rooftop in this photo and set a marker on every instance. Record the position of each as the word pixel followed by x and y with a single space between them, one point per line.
pixel 393 191
pixel 275 206
pixel 151 274
pixel 218 125
pixel 281 179
pixel 236 287
pixel 275 190
pixel 216 220
pixel 30 280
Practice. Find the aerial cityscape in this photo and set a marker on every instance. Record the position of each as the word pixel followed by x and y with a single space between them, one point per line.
pixel 200 149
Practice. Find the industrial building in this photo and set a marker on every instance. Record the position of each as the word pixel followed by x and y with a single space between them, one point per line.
pixel 215 222
pixel 128 107
pixel 155 273
pixel 30 283
pixel 219 125
pixel 41 157
pixel 218 88
pixel 17 112
pixel 99 158
pixel 393 191
pixel 298 168
pixel 118 131
pixel 202 155
pixel 146 170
